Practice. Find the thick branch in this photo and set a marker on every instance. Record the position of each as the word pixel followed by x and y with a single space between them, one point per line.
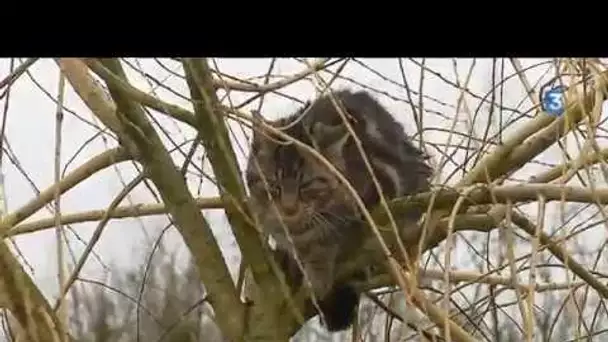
pixel 93 96
pixel 138 135
pixel 214 135
pixel 26 302
pixel 446 198
pixel 188 219
pixel 134 94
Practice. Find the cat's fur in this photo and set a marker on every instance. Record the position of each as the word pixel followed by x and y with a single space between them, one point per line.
pixel 319 213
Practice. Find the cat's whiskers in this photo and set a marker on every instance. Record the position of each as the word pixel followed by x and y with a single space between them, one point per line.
pixel 324 226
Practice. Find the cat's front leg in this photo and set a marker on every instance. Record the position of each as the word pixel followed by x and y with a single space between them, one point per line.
pixel 320 267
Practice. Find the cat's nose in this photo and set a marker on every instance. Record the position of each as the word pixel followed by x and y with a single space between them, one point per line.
pixel 289 204
pixel 290 210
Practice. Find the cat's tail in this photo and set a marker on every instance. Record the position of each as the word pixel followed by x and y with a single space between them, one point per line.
pixel 339 307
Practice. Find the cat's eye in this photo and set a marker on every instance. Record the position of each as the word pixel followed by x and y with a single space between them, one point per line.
pixel 314 182
pixel 270 190
pixel 314 188
pixel 253 181
pixel 273 190
pixel 261 188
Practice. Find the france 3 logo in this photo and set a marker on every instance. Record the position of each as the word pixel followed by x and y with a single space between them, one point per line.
pixel 552 99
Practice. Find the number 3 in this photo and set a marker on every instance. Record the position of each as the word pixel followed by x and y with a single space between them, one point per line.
pixel 554 100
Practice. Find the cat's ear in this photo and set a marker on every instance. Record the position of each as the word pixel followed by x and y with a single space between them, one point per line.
pixel 255 125
pixel 330 138
pixel 257 135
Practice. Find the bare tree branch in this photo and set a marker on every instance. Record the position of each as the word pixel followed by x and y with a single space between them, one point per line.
pixel 214 134
pixel 83 172
pixel 139 137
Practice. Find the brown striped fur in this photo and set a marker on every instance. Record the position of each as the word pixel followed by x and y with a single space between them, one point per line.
pixel 312 206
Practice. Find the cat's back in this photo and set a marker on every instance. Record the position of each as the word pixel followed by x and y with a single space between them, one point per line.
pixel 359 104
pixel 368 117
pixel 383 138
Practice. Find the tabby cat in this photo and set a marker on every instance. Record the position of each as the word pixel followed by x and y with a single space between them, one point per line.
pixel 298 200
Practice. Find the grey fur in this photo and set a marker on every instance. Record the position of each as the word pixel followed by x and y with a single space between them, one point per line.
pixel 319 214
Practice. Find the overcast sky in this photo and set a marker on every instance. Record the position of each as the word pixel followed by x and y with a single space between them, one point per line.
pixel 30 128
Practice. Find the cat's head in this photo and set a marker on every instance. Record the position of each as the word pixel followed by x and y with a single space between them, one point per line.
pixel 306 193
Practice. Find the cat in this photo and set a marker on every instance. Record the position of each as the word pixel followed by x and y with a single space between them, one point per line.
pixel 319 213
